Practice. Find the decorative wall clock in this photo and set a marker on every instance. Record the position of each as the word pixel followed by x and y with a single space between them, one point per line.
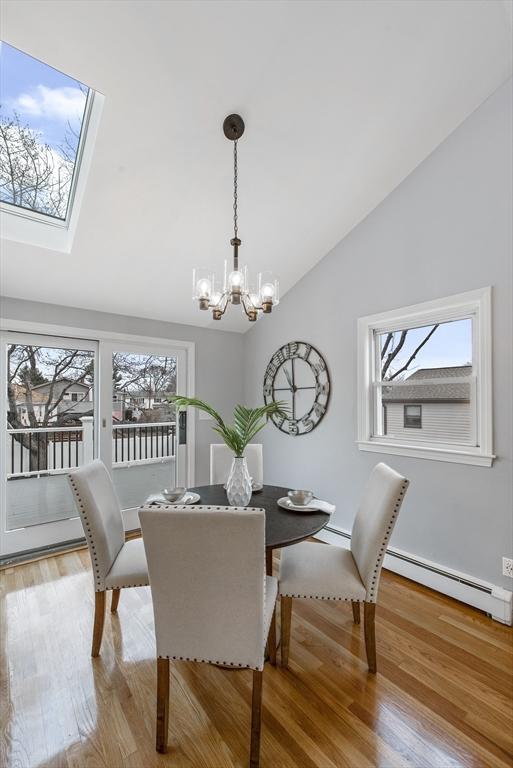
pixel 297 374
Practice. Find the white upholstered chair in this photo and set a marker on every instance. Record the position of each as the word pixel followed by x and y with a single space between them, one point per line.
pixel 221 461
pixel 212 601
pixel 332 573
pixel 116 563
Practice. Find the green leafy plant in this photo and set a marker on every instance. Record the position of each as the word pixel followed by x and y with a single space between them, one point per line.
pixel 247 422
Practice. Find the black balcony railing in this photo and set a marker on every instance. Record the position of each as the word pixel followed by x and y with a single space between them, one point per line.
pixel 41 450
pixel 139 442
pixel 34 451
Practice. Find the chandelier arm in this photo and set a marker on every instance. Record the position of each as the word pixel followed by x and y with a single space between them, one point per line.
pixel 224 298
pixel 251 314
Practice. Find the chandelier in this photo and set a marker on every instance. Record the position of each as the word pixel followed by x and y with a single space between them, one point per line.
pixel 236 288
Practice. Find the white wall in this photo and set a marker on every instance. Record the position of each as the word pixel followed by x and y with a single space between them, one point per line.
pixel 218 356
pixel 445 229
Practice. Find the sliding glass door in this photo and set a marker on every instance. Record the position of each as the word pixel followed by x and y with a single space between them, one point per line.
pixel 49 407
pixel 148 451
pixel 66 401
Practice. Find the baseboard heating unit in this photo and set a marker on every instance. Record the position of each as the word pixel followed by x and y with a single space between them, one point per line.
pixel 489 598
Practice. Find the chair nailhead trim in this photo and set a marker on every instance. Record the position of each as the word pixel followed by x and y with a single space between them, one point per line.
pixel 92 548
pixel 372 592
pixel 121 586
pixel 211 661
pixel 323 597
pixel 90 540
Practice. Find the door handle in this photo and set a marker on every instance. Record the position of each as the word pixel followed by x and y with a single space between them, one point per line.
pixel 182 428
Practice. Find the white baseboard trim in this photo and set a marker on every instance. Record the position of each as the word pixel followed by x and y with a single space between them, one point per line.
pixel 496 601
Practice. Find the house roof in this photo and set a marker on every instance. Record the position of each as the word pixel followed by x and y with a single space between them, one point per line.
pixel 61 381
pixel 432 385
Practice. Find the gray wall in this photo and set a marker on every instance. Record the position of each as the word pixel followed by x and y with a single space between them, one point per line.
pixel 218 356
pixel 445 229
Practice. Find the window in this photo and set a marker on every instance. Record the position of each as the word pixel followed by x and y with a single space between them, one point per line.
pixel 48 122
pixel 74 397
pixel 412 416
pixel 424 380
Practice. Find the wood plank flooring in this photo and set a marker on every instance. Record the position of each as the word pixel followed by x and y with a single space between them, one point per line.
pixel 442 697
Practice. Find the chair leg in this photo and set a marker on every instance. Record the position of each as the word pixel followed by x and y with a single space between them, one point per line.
pixel 286 617
pixel 115 600
pixel 162 703
pixel 271 640
pixel 99 618
pixel 356 611
pixel 369 611
pixel 256 719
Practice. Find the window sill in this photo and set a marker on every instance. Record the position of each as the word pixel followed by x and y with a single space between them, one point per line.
pixel 438 453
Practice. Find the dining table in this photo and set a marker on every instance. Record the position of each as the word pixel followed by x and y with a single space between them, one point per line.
pixel 283 527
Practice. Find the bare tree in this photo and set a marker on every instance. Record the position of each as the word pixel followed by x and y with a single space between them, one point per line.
pixel 59 370
pixel 47 408
pixel 146 376
pixel 390 351
pixel 32 174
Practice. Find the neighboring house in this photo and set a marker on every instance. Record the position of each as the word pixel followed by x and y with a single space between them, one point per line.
pixel 71 400
pixel 147 402
pixel 22 406
pixel 132 405
pixel 433 404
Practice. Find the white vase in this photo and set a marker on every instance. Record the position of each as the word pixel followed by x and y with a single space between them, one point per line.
pixel 238 485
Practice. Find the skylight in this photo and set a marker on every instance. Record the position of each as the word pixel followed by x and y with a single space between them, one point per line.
pixel 42 117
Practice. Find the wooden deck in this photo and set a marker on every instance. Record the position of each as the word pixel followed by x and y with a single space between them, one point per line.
pixel 443 695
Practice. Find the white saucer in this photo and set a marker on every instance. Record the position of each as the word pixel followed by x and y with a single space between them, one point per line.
pixel 286 503
pixel 188 498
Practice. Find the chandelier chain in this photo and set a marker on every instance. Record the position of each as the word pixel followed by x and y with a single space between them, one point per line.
pixel 235 180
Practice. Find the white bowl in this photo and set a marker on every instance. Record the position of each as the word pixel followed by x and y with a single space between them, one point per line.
pixel 300 498
pixel 173 494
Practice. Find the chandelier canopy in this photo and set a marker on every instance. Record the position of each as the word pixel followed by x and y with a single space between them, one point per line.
pixel 236 286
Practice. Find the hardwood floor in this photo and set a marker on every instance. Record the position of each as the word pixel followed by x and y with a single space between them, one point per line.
pixel 442 696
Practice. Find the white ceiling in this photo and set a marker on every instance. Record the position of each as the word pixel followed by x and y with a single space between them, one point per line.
pixel 341 101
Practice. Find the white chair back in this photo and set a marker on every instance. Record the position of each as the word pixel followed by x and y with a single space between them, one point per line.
pixel 374 523
pixel 99 509
pixel 207 578
pixel 221 461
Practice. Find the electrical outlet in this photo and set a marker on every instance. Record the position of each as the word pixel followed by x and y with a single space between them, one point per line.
pixel 507 567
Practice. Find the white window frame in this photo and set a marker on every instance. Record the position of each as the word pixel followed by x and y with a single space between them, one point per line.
pixel 472 304
pixel 26 226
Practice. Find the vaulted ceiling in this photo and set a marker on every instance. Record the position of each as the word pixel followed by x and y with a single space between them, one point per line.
pixel 341 100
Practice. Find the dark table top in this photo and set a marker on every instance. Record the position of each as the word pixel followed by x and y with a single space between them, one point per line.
pixel 282 527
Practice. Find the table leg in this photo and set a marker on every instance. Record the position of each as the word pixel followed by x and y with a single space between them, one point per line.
pixel 269 561
pixel 274 632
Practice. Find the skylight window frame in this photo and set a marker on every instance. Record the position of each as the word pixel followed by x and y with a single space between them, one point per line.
pixel 34 228
pixel 472 304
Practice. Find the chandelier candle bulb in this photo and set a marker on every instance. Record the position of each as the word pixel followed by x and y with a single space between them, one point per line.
pixel 202 283
pixel 267 291
pixel 204 289
pixel 236 284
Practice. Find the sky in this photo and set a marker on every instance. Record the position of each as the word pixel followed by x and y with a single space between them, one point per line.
pixel 43 97
pixel 450 344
